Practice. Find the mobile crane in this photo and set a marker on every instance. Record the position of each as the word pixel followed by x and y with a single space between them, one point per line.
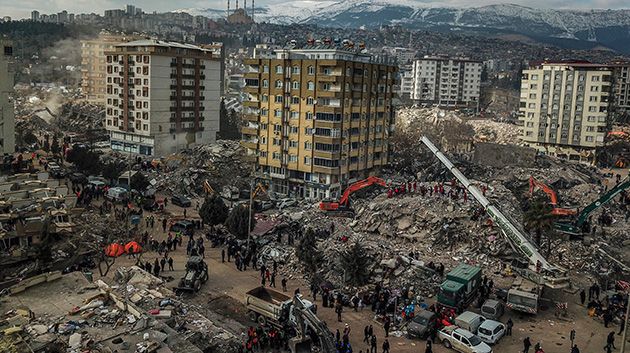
pixel 578 226
pixel 342 207
pixel 539 271
pixel 557 211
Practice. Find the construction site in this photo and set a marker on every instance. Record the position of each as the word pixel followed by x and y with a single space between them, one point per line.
pixel 464 235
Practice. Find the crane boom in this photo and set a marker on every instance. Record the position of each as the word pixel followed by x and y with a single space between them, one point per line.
pixel 552 276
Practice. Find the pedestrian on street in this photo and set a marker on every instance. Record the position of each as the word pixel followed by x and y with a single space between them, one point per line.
pixel 370 331
pixel 284 284
pixel 386 326
pixel 184 213
pixel 429 348
pixel 373 344
pixel 386 346
pixel 622 326
pixel 163 263
pixel 509 325
pixel 582 296
pixel 338 310
pixel 575 349
pixel 148 267
pixel 526 345
pixel 366 336
pixel 170 264
pixel 610 341
pixel 222 255
pixel 272 280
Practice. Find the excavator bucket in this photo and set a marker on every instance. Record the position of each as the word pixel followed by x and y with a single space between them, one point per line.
pixel 300 345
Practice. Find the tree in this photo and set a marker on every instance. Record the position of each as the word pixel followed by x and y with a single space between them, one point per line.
pixel 236 221
pixel 308 253
pixel 213 211
pixel 112 170
pixel 355 262
pixel 85 160
pixel 538 219
pixel 139 182
pixel 46 146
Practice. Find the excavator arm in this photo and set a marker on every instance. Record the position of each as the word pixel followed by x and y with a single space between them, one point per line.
pixel 344 201
pixel 533 184
pixel 307 319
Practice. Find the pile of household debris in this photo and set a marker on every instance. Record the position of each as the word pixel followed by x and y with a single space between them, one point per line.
pixel 496 132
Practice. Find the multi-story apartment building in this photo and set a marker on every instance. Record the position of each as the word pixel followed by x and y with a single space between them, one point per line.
pixel 564 108
pixel 621 90
pixel 161 97
pixel 318 117
pixel 7 117
pixel 405 87
pixel 93 65
pixel 447 82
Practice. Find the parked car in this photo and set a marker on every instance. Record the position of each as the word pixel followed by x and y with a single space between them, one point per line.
pixel 491 331
pixel 78 178
pixel 185 227
pixel 492 309
pixel 462 340
pixel 284 203
pixel 150 204
pixel 263 205
pixel 181 201
pixel 57 172
pixel 117 194
pixel 422 324
pixel 469 321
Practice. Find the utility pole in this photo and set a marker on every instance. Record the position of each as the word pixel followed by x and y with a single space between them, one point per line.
pixel 625 327
pixel 249 218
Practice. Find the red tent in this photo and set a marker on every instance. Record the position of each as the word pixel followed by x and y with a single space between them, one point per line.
pixel 133 247
pixel 114 250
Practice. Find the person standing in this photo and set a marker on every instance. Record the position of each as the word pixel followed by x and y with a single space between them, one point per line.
pixel 373 344
pixel 429 348
pixel 163 263
pixel 170 264
pixel 386 346
pixel 526 345
pixel 509 324
pixel 622 326
pixel 338 310
pixel 610 341
pixel 575 349
pixel 222 255
pixel 582 296
pixel 272 280
pixel 387 325
pixel 366 332
pixel 284 284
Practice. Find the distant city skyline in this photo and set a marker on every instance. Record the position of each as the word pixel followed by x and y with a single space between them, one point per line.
pixel 22 9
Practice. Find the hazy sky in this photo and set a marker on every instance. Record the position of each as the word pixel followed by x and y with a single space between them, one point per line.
pixel 22 8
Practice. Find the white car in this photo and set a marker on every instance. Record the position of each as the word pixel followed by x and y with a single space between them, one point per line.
pixel 491 331
pixel 462 340
pixel 287 203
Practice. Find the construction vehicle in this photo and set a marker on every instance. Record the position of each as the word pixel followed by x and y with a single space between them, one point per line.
pixel 557 211
pixel 310 327
pixel 581 221
pixel 342 207
pixel 196 275
pixel 539 270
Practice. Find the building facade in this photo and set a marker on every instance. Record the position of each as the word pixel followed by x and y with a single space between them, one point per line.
pixel 564 108
pixel 7 114
pixel 621 90
pixel 318 118
pixel 161 97
pixel 447 82
pixel 93 65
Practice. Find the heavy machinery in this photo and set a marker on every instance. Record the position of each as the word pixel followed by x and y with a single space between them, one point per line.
pixel 196 275
pixel 533 184
pixel 267 306
pixel 342 207
pixel 579 225
pixel 539 271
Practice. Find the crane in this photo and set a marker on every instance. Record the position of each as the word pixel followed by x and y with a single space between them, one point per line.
pixel 576 228
pixel 533 183
pixel 342 207
pixel 540 271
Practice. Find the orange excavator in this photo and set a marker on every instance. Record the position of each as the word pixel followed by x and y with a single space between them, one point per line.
pixel 533 183
pixel 342 208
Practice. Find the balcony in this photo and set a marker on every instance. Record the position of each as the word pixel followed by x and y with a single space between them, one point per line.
pixel 250 143
pixel 251 129
pixel 325 170
pixel 326 78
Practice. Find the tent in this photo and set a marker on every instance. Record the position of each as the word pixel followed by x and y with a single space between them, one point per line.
pixel 133 247
pixel 114 250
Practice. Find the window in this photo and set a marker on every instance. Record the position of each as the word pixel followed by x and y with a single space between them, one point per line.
pixel 265 68
pixel 278 99
pixel 293 144
pixel 295 70
pixel 278 84
pixel 595 79
pixel 310 86
pixel 295 115
pixel 265 83
pixel 265 98
pixel 310 101
pixel 279 69
pixel 276 155
pixel 293 158
pixel 277 113
pixel 264 112
pixel 307 160
pixel 589 138
pixel 295 85
pixel 295 100
pixel 311 70
pixel 309 116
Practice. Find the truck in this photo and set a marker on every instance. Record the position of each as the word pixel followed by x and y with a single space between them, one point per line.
pixel 460 287
pixel 461 340
pixel 523 296
pixel 267 306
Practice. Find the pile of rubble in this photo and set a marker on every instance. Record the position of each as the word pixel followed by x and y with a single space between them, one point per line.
pixel 496 132
pixel 186 171
pixel 135 313
pixel 81 117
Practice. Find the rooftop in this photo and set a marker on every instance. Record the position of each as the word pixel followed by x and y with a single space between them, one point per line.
pixel 160 43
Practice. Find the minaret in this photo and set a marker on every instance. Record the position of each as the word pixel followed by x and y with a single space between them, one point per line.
pixel 252 10
pixel 237 4
pixel 228 9
pixel 245 7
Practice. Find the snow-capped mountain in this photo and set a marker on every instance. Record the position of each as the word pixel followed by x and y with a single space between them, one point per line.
pixel 609 28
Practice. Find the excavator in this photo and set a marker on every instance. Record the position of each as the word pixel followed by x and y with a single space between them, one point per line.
pixel 307 321
pixel 342 207
pixel 578 226
pixel 557 211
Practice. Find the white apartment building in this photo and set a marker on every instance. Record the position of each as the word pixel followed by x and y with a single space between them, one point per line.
pixel 447 82
pixel 405 88
pixel 7 117
pixel 564 108
pixel 161 97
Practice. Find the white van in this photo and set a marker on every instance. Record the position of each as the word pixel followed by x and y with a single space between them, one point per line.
pixel 116 194
pixel 469 321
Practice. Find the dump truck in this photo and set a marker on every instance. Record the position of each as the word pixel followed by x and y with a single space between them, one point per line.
pixel 460 287
pixel 267 306
pixel 523 296
pixel 196 275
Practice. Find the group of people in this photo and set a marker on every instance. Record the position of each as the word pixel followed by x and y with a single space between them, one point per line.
pixel 453 191
pixel 158 265
pixel 263 337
